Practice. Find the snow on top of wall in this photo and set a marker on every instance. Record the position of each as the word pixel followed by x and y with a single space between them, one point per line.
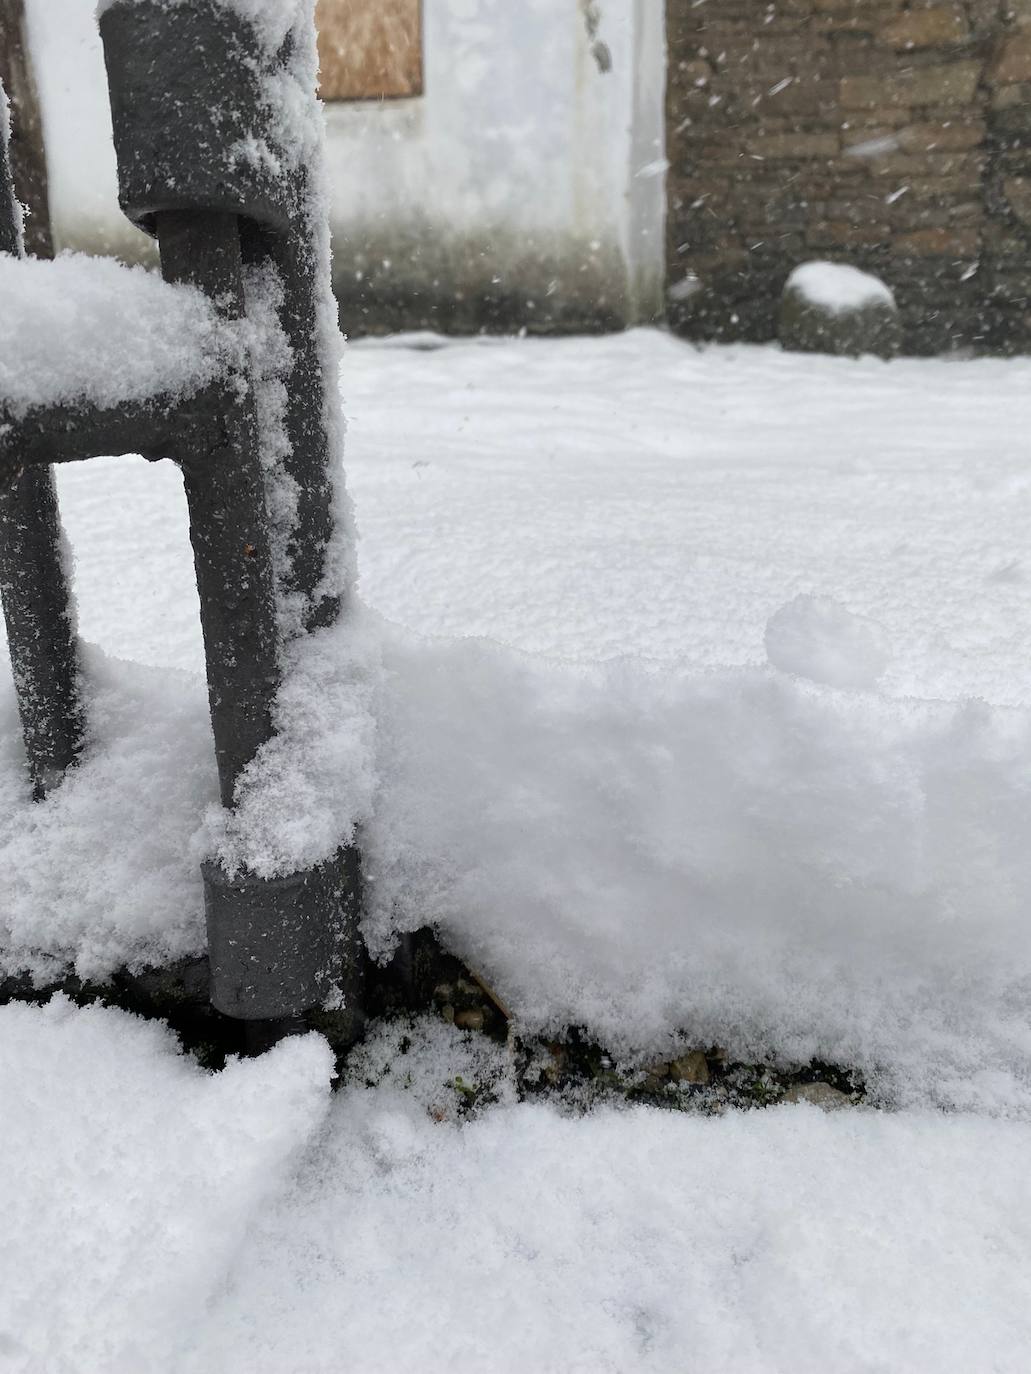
pixel 837 287
pixel 81 329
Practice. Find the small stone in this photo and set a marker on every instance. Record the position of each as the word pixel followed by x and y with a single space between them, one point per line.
pixel 657 1070
pixel 690 1068
pixel 833 308
pixel 447 1011
pixel 443 993
pixel 470 1019
pixel 820 1095
pixel 553 1070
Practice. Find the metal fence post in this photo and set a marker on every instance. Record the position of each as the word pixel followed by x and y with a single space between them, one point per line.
pixel 276 946
pixel 34 588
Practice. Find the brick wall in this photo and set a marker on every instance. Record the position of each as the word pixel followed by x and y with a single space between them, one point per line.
pixel 895 137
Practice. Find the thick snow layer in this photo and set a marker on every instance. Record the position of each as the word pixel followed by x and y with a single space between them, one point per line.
pixel 754 859
pixel 650 844
pixel 839 288
pixel 128 1180
pixel 159 1218
pixel 83 329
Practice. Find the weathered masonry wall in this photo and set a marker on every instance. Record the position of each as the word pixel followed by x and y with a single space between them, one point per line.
pixel 891 136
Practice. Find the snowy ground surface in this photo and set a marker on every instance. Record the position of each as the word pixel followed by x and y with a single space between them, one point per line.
pixel 704 716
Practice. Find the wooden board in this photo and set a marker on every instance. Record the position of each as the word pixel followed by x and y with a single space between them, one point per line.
pixel 369 49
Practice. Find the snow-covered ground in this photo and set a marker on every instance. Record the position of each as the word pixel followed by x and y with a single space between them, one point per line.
pixel 632 495
pixel 704 716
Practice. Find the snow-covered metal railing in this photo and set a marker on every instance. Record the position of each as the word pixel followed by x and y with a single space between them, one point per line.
pixel 233 376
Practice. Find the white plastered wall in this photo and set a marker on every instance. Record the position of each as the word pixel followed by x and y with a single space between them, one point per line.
pixel 532 167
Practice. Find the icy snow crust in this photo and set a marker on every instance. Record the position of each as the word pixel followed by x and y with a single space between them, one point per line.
pixel 651 845
pixel 159 1218
pixel 82 329
pixel 839 288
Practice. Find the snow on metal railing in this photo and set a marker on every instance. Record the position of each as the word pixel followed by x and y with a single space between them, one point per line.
pixel 232 375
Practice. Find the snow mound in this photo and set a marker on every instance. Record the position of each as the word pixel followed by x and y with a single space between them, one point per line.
pixel 740 857
pixel 128 1178
pixel 757 860
pixel 838 288
pixel 815 637
pixel 81 329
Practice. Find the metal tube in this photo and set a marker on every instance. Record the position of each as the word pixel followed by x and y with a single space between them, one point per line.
pixel 229 527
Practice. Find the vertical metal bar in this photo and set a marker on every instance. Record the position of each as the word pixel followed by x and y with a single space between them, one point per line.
pixel 26 154
pixel 229 527
pixel 308 461
pixel 34 590
pixel 40 628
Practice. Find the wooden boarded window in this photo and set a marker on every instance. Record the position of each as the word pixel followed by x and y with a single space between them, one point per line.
pixel 369 49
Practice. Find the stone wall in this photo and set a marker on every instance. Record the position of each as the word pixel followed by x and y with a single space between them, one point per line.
pixel 894 137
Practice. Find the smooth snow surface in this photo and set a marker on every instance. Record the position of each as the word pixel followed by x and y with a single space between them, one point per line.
pixel 81 329
pixel 648 844
pixel 160 1219
pixel 839 288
